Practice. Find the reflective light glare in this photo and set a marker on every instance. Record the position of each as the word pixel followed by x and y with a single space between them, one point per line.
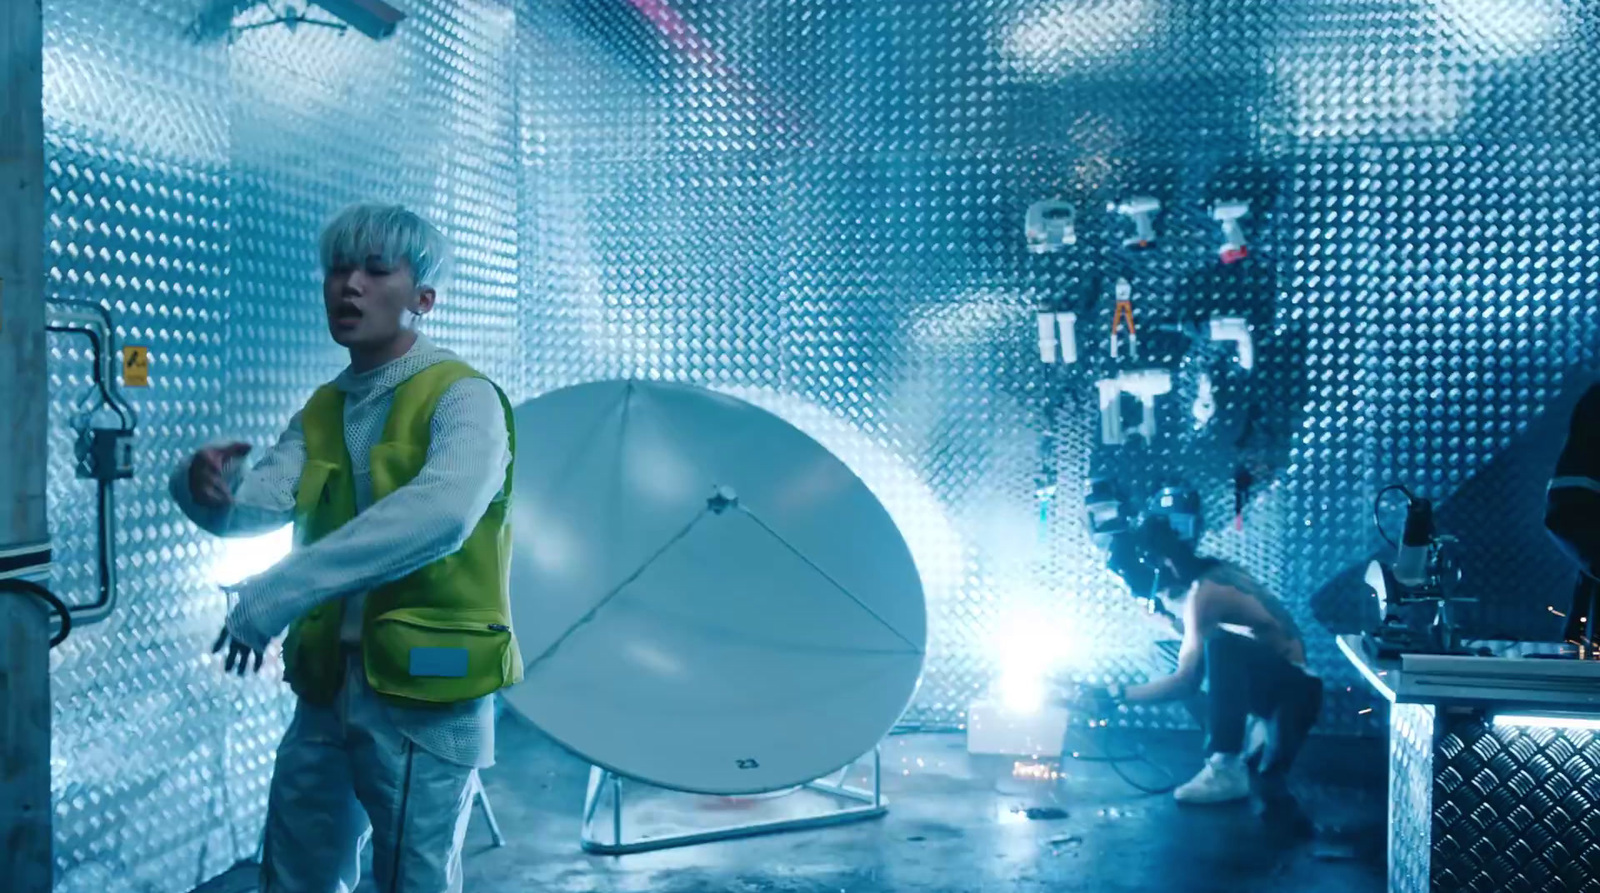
pixel 972 321
pixel 1030 647
pixel 1331 104
pixel 1531 721
pixel 1021 691
pixel 1053 38
pixel 244 557
pixel 1498 28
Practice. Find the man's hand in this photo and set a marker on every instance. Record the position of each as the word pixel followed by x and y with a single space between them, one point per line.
pixel 1104 699
pixel 208 474
pixel 1098 701
pixel 238 652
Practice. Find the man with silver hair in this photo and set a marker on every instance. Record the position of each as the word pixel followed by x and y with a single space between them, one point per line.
pixel 397 478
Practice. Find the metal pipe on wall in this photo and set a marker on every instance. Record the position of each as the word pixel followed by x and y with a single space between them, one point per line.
pixel 94 321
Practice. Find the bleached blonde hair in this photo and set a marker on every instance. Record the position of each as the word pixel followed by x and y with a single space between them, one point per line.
pixel 391 233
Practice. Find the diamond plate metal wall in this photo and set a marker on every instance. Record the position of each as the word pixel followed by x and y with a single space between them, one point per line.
pixel 1411 797
pixel 137 143
pixel 1476 807
pixel 821 204
pixel 1514 809
pixel 188 182
pixel 322 119
pixel 1484 316
pixel 818 205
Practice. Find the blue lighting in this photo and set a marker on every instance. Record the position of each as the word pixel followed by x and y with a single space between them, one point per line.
pixel 1530 721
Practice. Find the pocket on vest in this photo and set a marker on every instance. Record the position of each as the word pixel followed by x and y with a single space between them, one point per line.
pixel 438 655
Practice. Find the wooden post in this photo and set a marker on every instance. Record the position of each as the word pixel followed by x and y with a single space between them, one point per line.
pixel 25 836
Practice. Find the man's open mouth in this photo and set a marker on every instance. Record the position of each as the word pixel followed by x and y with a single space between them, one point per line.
pixel 346 313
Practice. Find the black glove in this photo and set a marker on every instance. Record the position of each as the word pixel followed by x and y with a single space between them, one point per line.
pixel 1103 699
pixel 237 652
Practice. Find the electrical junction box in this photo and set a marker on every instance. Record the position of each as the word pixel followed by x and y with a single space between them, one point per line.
pixel 110 454
pixel 994 728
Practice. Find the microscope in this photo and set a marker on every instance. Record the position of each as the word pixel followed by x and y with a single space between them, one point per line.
pixel 1415 593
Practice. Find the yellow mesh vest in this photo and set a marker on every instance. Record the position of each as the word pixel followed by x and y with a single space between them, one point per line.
pixel 439 635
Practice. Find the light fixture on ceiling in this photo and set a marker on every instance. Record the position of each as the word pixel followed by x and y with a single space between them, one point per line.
pixel 374 18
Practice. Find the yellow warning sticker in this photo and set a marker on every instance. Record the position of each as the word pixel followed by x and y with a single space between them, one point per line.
pixel 136 366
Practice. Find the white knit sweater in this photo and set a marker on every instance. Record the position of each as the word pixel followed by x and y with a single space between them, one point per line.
pixel 427 519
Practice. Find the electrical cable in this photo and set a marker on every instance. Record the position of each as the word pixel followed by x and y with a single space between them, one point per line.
pixel 1115 761
pixel 1378 504
pixel 29 587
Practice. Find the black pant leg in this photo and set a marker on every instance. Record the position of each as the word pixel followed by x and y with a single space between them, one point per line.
pixel 1244 678
pixel 1297 711
pixel 1228 682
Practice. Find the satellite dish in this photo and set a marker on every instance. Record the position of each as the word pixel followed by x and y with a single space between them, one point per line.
pixel 707 600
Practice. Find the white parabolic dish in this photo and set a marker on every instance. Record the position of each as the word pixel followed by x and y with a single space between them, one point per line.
pixel 733 651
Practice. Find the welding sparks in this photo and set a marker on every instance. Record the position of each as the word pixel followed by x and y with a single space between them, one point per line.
pixel 1552 609
pixel 1364 711
pixel 1037 771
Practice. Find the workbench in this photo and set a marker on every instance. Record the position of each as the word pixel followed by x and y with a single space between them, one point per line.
pixel 1494 767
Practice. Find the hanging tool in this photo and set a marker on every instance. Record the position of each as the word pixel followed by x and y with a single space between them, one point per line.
pixel 1051 226
pixel 1124 310
pixel 1235 329
pixel 1045 480
pixel 1205 402
pixel 1146 385
pixel 1058 329
pixel 1142 210
pixel 1228 214
pixel 1242 481
pixel 1045 492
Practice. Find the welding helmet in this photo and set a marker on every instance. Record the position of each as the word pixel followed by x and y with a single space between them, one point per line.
pixel 1179 504
pixel 1113 524
pixel 1152 551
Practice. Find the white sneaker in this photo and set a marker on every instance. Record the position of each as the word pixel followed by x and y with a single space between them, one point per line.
pixel 1223 779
